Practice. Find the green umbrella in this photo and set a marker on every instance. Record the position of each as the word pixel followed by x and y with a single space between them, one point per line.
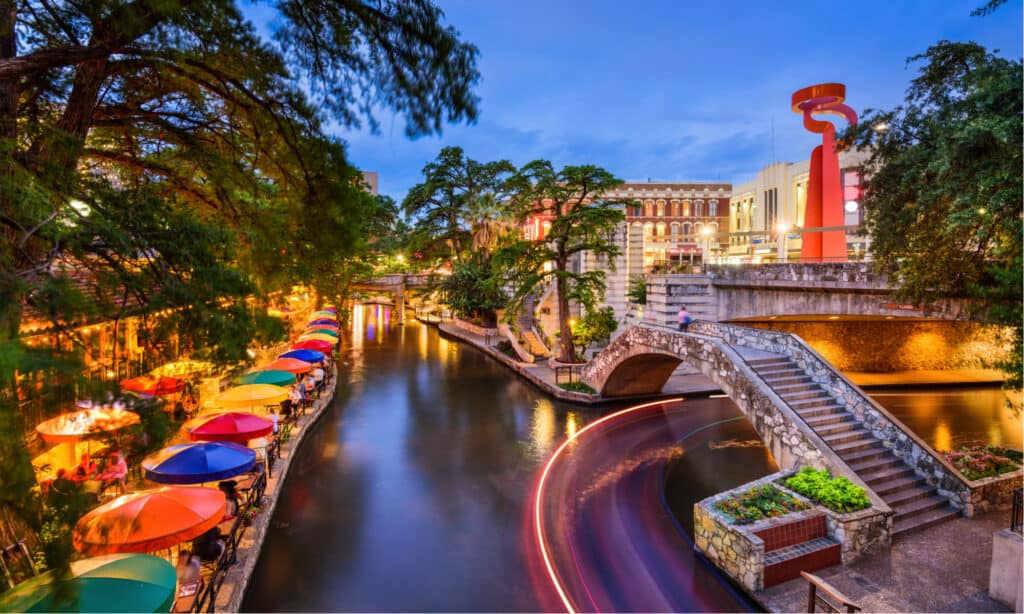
pixel 323 330
pixel 111 583
pixel 274 377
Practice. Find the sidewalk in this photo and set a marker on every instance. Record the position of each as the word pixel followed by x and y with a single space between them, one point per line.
pixel 944 568
pixel 683 381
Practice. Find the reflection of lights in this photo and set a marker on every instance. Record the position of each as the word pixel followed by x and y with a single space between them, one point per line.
pixel 539 492
pixel 833 317
pixel 542 431
pixel 423 342
pixel 943 437
pixel 357 326
pixel 109 374
pixel 571 425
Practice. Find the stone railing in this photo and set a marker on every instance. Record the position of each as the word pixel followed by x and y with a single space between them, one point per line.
pixel 918 455
pixel 469 327
pixel 524 354
pixel 840 275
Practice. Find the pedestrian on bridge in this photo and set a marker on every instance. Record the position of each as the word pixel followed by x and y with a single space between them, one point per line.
pixel 684 318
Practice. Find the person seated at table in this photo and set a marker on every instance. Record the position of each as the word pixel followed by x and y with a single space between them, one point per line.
pixel 115 471
pixel 310 385
pixel 189 570
pixel 231 497
pixel 209 546
pixel 85 470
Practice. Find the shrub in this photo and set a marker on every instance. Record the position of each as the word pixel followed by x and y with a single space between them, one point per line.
pixel 836 493
pixel 505 346
pixel 759 502
pixel 977 462
pixel 576 387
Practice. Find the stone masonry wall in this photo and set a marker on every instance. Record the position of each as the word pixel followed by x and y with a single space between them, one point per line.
pixel 883 425
pixel 736 552
pixel 881 346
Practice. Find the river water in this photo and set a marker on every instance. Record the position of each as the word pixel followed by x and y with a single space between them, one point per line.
pixel 413 491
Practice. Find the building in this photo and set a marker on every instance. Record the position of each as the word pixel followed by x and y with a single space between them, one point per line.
pixel 372 182
pixel 775 200
pixel 672 218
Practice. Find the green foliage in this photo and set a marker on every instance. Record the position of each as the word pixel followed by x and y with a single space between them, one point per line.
pixel 581 221
pixel 595 325
pixel 838 494
pixel 759 502
pixel 505 347
pixel 577 387
pixel 977 462
pixel 473 291
pixel 944 188
pixel 637 291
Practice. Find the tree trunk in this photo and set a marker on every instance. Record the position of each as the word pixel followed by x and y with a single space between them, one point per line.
pixel 568 352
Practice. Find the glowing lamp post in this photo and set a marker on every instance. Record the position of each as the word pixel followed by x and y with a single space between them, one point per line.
pixel 781 243
pixel 705 233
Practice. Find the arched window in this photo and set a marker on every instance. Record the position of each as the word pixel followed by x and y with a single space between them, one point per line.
pixel 697 228
pixel 674 208
pixel 713 208
pixel 674 228
pixel 661 208
pixel 661 229
pixel 698 209
pixel 686 208
pixel 687 229
pixel 648 229
pixel 649 208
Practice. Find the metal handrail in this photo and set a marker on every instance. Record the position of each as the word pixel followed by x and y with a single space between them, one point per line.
pixel 837 601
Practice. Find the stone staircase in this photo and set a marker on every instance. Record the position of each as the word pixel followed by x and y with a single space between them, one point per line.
pixel 916 504
pixel 527 331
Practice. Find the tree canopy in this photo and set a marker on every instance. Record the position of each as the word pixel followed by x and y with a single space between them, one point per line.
pixel 943 192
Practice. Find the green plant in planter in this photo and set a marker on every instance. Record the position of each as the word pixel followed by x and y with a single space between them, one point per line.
pixel 759 502
pixel 836 493
pixel 976 462
pixel 577 387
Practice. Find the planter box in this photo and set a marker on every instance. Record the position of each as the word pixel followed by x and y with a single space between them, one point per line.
pixel 995 493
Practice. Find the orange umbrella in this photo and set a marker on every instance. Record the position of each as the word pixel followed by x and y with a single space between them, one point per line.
pixel 79 424
pixel 150 520
pixel 153 384
pixel 291 365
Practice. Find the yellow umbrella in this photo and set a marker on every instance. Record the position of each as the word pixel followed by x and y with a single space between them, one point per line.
pixel 182 368
pixel 323 314
pixel 251 395
pixel 318 337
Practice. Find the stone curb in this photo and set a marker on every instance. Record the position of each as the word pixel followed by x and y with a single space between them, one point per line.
pixel 232 592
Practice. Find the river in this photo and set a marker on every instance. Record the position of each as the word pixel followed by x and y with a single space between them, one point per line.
pixel 413 491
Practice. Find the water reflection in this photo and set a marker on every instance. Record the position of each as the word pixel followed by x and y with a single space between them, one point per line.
pixel 948 418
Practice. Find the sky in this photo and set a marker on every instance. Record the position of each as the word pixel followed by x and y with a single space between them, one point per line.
pixel 672 90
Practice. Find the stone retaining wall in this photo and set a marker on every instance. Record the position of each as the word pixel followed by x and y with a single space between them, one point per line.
pixel 995 493
pixel 872 416
pixel 481 331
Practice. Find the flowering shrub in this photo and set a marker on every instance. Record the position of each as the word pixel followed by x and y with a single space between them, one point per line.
pixel 976 462
pixel 759 502
pixel 837 494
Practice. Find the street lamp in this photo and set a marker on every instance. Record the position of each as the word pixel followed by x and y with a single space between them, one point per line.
pixel 706 234
pixel 781 243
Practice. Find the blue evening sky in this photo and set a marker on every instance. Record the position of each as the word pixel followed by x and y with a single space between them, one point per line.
pixel 673 90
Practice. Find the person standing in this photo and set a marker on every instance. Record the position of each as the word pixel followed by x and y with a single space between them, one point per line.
pixel 684 318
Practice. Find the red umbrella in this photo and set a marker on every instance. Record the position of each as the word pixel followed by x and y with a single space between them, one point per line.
pixel 148 384
pixel 228 426
pixel 313 344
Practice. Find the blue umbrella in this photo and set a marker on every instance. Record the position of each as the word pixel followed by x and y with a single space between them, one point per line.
pixel 304 355
pixel 198 462
pixel 333 323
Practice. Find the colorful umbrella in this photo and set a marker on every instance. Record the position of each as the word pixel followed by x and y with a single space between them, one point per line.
pixel 305 355
pixel 228 426
pixel 323 313
pixel 113 583
pixel 326 321
pixel 76 425
pixel 318 337
pixel 313 344
pixel 149 520
pixel 291 365
pixel 322 330
pixel 250 395
pixel 195 463
pixel 154 385
pixel 274 377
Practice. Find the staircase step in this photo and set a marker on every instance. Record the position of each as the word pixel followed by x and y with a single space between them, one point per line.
pixel 845 436
pixel 786 389
pixel 789 379
pixel 818 421
pixel 910 524
pixel 810 395
pixel 903 497
pixel 874 452
pixel 875 464
pixel 839 427
pixel 854 446
pixel 818 402
pixel 886 475
pixel 918 506
pixel 888 486
pixel 813 411
pixel 787 563
pixel 780 372
pixel 772 360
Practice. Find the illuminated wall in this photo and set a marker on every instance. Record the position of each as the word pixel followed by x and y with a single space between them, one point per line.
pixel 882 346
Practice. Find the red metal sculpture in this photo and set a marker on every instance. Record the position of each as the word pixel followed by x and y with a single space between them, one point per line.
pixel 824 191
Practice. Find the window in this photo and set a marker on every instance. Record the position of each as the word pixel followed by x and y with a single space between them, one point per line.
pixel 713 208
pixel 661 208
pixel 771 209
pixel 661 229
pixel 648 229
pixel 674 228
pixel 649 208
pixel 698 209
pixel 686 229
pixel 686 208
pixel 674 209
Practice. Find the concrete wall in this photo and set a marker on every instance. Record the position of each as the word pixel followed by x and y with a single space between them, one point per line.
pixel 1004 581
pixel 900 345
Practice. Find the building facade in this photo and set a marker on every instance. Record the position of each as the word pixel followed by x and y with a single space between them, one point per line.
pixel 775 200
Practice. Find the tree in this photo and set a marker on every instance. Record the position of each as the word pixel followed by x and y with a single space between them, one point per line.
pixel 581 221
pixel 595 325
pixel 473 291
pixel 449 203
pixel 943 191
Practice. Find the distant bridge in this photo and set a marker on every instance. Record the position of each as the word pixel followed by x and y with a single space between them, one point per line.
pixel 397 284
